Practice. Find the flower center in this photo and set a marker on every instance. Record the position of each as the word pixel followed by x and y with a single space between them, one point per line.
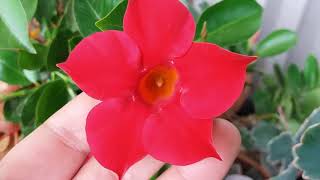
pixel 158 84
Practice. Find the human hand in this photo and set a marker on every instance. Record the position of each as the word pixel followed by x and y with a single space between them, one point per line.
pixel 58 150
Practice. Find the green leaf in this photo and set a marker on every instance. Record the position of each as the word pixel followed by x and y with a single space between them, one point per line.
pixel 113 20
pixel 69 17
pixel 293 125
pixel 291 172
pixel 30 7
pixel 59 50
pixel 230 21
pixel 288 174
pixel 311 71
pixel 73 42
pixel 33 61
pixel 28 112
pixel 307 153
pixel 26 130
pixel 314 118
pixel 9 69
pixel 262 102
pixel 54 96
pixel 33 75
pixel 294 79
pixel 12 109
pixel 14 26
pixel 28 115
pixel 310 100
pixel 269 82
pixel 262 133
pixel 246 138
pixel 46 9
pixel 279 75
pixel 87 12
pixel 276 43
pixel 279 148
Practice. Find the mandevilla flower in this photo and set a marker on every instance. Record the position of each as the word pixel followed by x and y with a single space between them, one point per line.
pixel 159 90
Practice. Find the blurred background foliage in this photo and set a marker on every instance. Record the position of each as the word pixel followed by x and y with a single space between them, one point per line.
pixel 276 114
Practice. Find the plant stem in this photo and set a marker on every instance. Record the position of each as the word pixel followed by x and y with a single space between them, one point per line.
pixel 161 170
pixel 246 159
pixel 282 118
pixel 16 94
pixel 266 116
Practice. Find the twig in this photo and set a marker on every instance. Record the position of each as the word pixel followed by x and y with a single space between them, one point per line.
pixel 16 94
pixel 282 118
pixel 246 159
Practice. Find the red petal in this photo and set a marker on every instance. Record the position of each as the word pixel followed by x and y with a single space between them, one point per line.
pixel 212 78
pixel 173 137
pixel 163 29
pixel 104 64
pixel 114 129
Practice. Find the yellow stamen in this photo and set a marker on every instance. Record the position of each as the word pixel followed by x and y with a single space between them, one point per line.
pixel 158 84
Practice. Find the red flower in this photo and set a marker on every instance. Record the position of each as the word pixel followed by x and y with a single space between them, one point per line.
pixel 159 90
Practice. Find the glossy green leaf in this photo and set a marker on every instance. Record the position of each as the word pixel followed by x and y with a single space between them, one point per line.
pixel 73 42
pixel 14 26
pixel 113 20
pixel 10 72
pixel 279 148
pixel 12 109
pixel 33 76
pixel 230 21
pixel 276 43
pixel 59 50
pixel 69 17
pixel 294 78
pixel 29 7
pixel 311 72
pixel 262 133
pixel 307 153
pixel 46 9
pixel 87 12
pixel 28 112
pixel 54 96
pixel 33 61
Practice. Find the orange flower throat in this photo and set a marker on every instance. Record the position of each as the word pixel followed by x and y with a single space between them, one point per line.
pixel 158 84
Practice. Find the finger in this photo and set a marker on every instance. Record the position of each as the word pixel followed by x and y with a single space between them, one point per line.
pixel 227 142
pixel 93 170
pixel 144 169
pixel 55 150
